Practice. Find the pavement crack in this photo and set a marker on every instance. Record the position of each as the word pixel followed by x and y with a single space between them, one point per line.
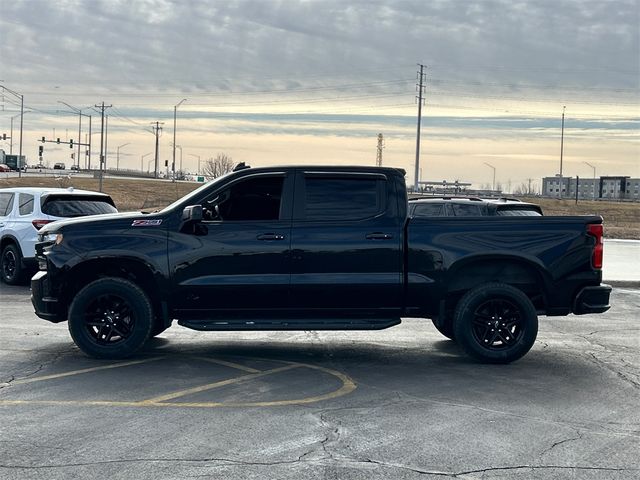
pixel 560 442
pixel 625 377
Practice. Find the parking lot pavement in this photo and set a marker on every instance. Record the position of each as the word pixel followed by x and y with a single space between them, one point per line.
pixel 401 403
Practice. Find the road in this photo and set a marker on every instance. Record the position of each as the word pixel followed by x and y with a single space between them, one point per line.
pixel 401 403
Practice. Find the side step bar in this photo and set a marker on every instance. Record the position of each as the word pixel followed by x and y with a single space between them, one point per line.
pixel 303 324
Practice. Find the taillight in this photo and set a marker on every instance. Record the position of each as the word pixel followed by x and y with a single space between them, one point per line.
pixel 596 257
pixel 38 224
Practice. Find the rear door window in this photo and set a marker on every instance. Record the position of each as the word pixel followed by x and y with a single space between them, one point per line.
pixel 463 210
pixel 343 197
pixel 76 206
pixel 26 204
pixel 429 210
pixel 6 203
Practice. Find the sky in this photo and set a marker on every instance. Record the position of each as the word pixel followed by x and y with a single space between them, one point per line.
pixel 293 82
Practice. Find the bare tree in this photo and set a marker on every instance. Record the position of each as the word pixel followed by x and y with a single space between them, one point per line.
pixel 218 166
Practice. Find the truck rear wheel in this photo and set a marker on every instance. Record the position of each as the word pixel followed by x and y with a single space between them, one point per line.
pixel 110 318
pixel 495 323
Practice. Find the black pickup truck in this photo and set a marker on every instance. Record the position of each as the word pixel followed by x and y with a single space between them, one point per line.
pixel 315 248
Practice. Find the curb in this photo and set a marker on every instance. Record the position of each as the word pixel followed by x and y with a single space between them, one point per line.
pixel 623 283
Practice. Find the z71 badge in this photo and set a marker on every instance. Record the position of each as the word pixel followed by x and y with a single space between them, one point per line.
pixel 146 223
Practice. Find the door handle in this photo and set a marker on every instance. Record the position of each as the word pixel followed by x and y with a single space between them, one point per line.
pixel 379 236
pixel 270 236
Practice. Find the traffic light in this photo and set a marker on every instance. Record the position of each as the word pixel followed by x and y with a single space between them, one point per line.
pixel 42 139
pixel 58 140
pixel 71 143
pixel 4 136
pixel 40 150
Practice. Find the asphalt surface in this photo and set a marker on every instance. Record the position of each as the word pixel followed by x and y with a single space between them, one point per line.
pixel 401 403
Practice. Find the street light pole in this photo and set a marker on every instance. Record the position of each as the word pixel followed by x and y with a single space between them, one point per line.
pixel 118 154
pixel 142 162
pixel 18 95
pixel 562 150
pixel 594 179
pixel 80 115
pixel 198 157
pixel 175 114
pixel 493 186
pixel 11 134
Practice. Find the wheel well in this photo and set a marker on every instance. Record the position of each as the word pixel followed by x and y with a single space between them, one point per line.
pixel 133 270
pixel 518 274
pixel 9 241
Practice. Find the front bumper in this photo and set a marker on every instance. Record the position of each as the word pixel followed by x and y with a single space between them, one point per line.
pixel 46 306
pixel 592 300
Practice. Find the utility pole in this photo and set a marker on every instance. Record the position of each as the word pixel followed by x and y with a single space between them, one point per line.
pixel 380 147
pixel 102 108
pixel 420 88
pixel 562 150
pixel 175 113
pixel 156 131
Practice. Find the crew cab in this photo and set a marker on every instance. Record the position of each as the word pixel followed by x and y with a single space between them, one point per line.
pixel 315 248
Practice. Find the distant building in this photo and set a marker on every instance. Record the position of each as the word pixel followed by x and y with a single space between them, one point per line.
pixel 614 188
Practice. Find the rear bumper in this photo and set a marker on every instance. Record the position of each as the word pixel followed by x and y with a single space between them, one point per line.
pixel 46 306
pixel 592 300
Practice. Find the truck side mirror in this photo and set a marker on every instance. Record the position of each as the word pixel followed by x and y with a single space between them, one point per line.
pixel 192 213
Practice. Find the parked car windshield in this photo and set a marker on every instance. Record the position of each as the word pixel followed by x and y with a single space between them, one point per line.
pixel 76 206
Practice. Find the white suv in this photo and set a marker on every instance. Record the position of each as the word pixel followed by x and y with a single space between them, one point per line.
pixel 24 210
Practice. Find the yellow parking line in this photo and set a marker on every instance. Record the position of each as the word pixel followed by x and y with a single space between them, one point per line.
pixel 229 364
pixel 348 386
pixel 211 386
pixel 84 370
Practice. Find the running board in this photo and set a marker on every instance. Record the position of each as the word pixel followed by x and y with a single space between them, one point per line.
pixel 306 324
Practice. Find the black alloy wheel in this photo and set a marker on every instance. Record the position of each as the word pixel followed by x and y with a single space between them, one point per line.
pixel 495 323
pixel 110 318
pixel 10 265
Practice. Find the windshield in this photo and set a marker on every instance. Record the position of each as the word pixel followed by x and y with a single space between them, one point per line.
pixel 196 193
pixel 76 206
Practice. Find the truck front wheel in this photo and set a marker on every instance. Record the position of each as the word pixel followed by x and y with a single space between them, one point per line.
pixel 495 323
pixel 110 318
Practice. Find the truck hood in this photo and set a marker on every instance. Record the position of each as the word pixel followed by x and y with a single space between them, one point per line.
pixel 126 219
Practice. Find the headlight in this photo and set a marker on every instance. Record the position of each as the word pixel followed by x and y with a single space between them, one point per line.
pixel 55 238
